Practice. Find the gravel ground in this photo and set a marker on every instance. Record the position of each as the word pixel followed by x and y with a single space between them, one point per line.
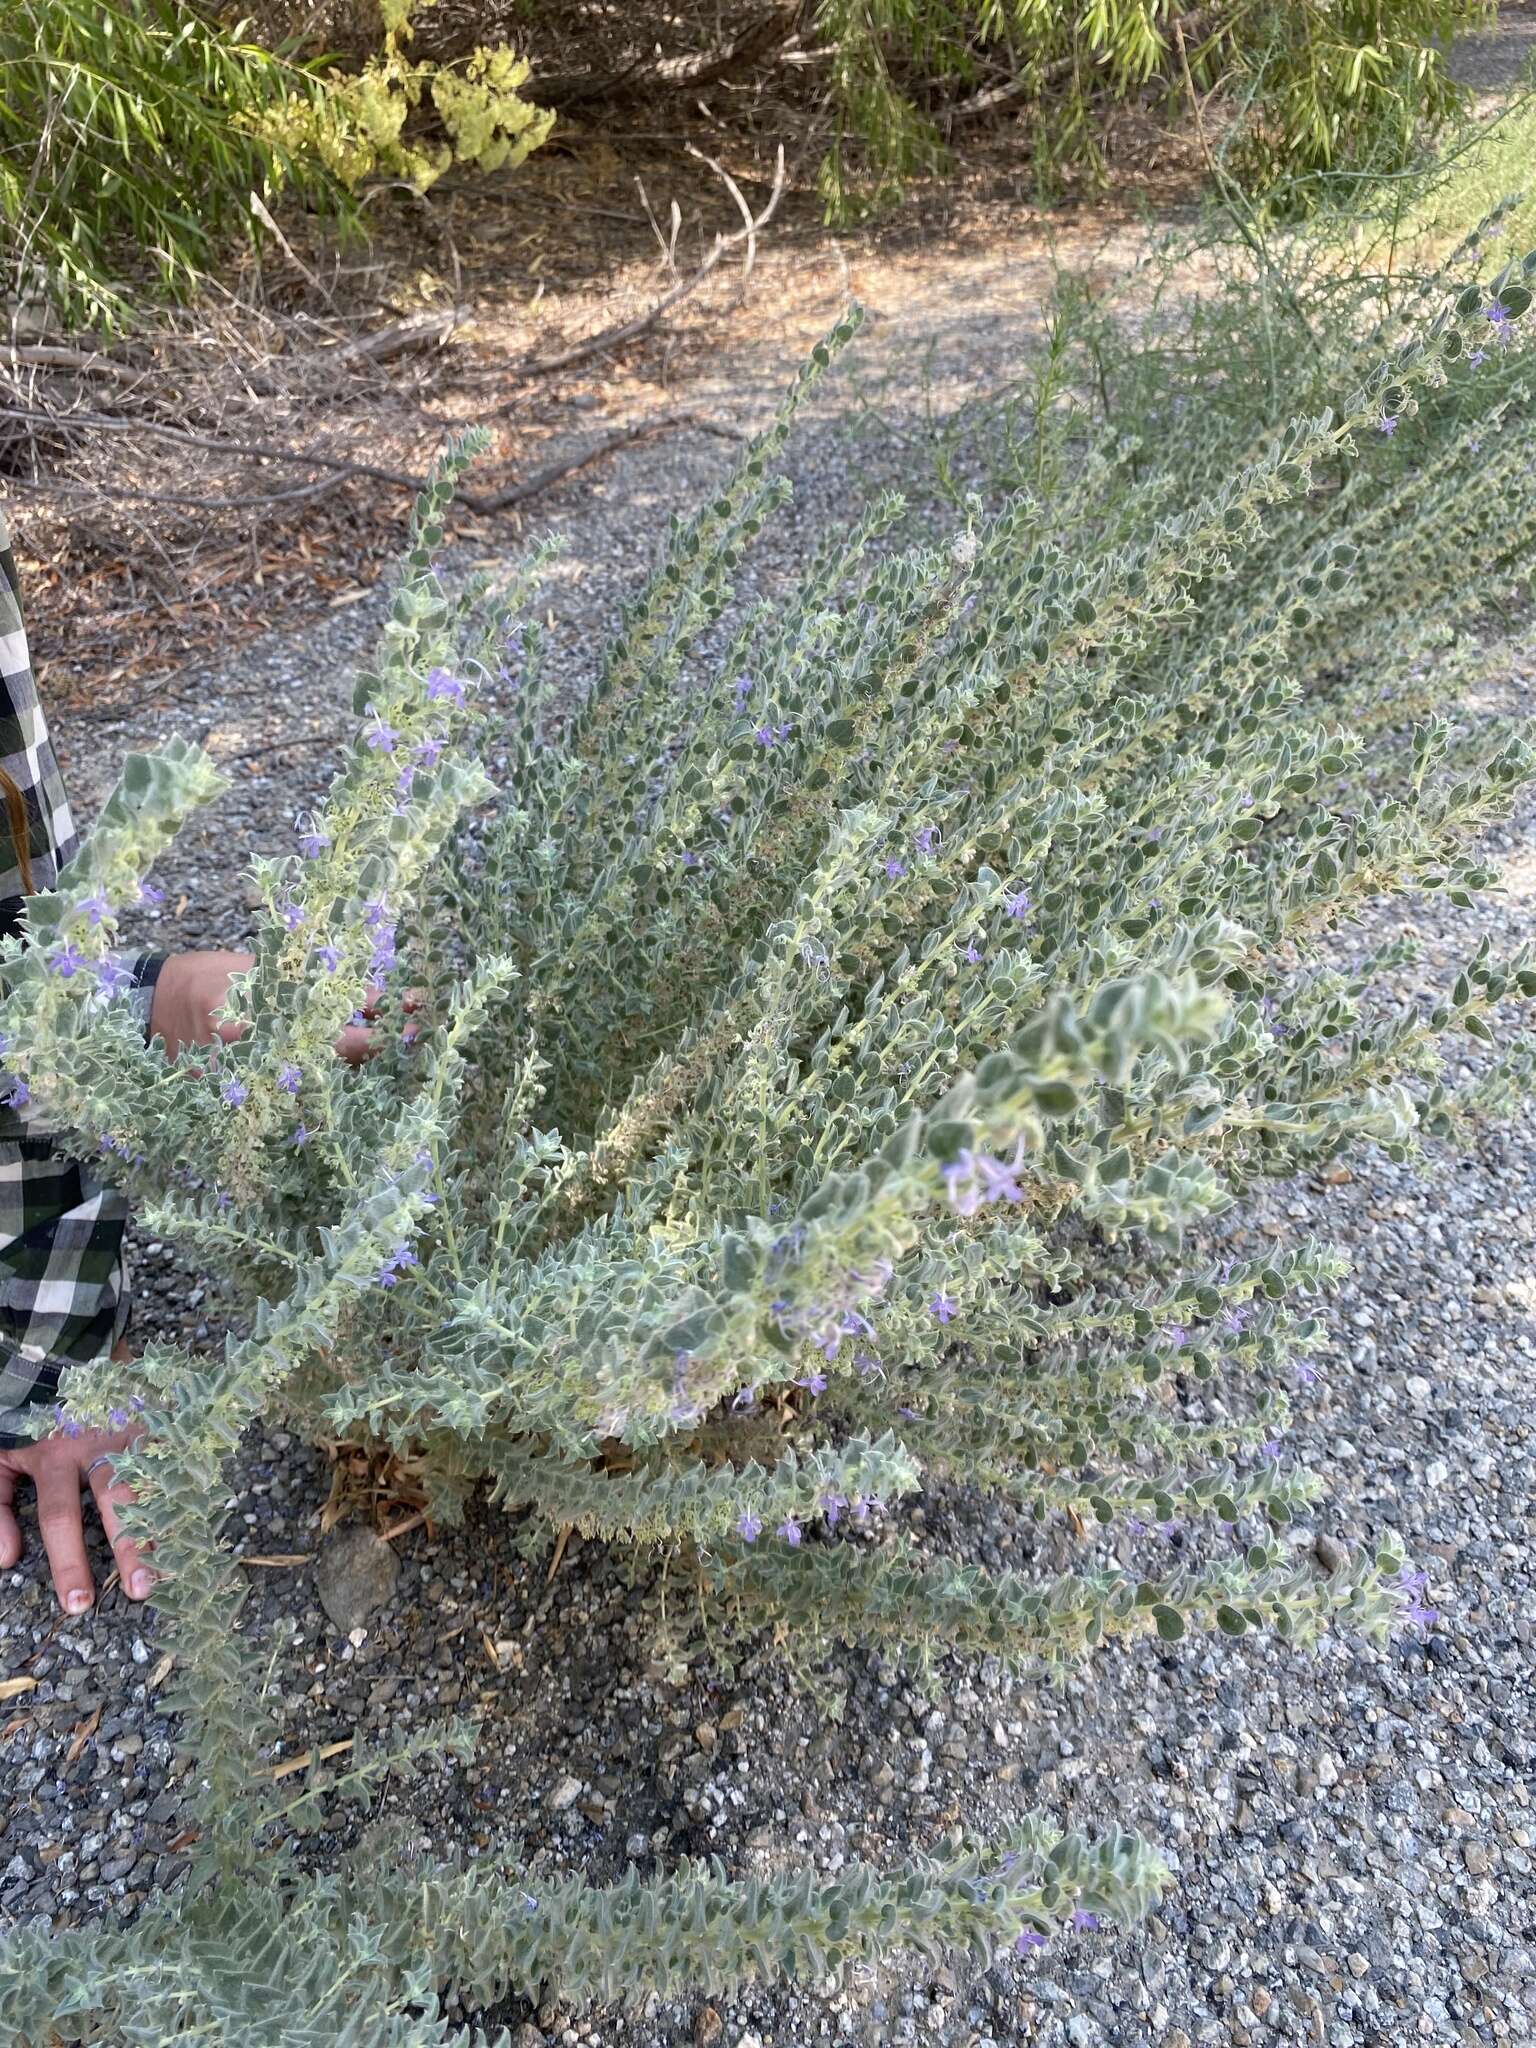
pixel 1351 1829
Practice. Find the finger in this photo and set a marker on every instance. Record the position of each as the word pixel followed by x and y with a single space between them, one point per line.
pixel 63 1531
pixel 110 1495
pixel 10 1528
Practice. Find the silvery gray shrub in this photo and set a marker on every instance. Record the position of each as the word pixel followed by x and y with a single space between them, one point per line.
pixel 820 1057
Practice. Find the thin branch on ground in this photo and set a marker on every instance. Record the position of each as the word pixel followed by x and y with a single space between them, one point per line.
pixel 630 330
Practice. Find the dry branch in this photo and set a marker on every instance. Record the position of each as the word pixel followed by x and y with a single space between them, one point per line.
pixel 629 330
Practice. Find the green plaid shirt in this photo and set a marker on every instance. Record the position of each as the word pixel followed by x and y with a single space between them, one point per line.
pixel 63 1277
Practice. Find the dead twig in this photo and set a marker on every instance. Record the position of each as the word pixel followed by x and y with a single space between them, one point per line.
pixel 478 502
pixel 380 347
pixel 517 494
pixel 321 1755
pixel 629 330
pixel 731 186
pixel 244 451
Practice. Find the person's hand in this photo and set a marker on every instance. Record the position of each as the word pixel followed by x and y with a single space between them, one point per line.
pixel 189 991
pixel 192 988
pixel 58 1466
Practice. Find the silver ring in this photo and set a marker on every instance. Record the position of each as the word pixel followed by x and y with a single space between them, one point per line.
pixel 104 1459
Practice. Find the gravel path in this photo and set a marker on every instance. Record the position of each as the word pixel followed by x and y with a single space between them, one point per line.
pixel 1352 1830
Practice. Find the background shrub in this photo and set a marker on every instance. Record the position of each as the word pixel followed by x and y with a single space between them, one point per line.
pixel 831 1041
pixel 133 134
pixel 128 149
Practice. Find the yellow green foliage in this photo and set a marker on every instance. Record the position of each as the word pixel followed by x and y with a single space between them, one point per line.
pixel 357 127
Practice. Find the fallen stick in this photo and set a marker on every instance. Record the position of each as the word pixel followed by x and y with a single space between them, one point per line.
pixel 341 471
pixel 302 1763
pixel 515 494
pixel 379 347
pixel 612 337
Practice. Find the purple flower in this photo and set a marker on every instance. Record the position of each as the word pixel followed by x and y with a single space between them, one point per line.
pixel 223 1199
pixel 1018 904
pixel 112 977
pixel 234 1092
pixel 1387 424
pixel 865 1364
pixel 386 1276
pixel 1176 1336
pixel 289 1078
pixel 118 1417
pixel 314 842
pixel 789 1529
pixel 690 859
pixel 832 1505
pixel 329 957
pixel 1420 1616
pixel 148 893
pixel 1085 1923
pixel 405 781
pixel 895 870
pixel 441 685
pixel 1478 355
pixel 764 735
pixel 942 1307
pixel 926 839
pixel 1236 1320
pixel 96 908
pixel 1271 1449
pixel 742 690
pixel 300 1138
pixel 1496 315
pixel 427 751
pixel 1412 1581
pixel 814 1382
pixel 291 915
pixel 1031 1938
pixel 1306 1373
pixel 976 1178
pixel 376 913
pixel 746 1398
pixel 749 1528
pixel 381 736
pixel 65 960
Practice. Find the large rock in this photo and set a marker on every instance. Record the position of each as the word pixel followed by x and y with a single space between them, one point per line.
pixel 355 1574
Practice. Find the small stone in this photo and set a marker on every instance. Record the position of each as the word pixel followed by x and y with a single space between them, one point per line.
pixel 707 2028
pixel 1358 1964
pixel 1475 1856
pixel 355 1574
pixel 527 2036
pixel 1260 2000
pixel 566 1793
pixel 1330 1554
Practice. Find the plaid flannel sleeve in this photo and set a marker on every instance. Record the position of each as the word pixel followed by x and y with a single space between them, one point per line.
pixel 63 1277
pixel 26 752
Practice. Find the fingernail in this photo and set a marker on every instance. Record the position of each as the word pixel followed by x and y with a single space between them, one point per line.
pixel 78 1600
pixel 139 1584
